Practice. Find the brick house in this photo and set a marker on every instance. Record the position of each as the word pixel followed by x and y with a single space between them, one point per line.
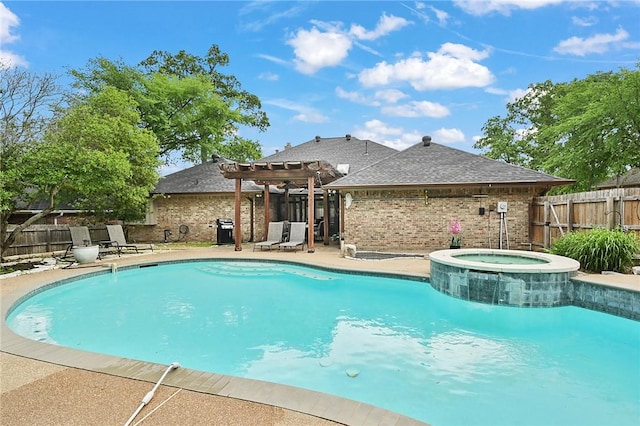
pixel 409 199
pixel 372 196
pixel 185 205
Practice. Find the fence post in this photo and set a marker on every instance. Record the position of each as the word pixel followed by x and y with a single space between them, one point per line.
pixel 610 213
pixel 547 223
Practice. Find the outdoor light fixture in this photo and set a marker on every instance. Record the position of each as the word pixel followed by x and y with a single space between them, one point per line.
pixel 348 199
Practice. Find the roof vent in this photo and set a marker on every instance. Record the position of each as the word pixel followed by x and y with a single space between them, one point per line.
pixel 215 158
pixel 426 140
pixel 343 168
pixel 348 137
pixel 317 138
pixel 288 145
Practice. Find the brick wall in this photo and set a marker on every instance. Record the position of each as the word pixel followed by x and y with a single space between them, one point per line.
pixel 407 220
pixel 199 213
pixel 376 220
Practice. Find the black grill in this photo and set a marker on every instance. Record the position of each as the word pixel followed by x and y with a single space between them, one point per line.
pixel 225 231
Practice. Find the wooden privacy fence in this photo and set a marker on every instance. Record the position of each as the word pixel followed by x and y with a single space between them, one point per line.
pixel 38 239
pixel 553 216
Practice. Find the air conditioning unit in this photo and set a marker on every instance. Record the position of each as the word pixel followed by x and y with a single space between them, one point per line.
pixel 501 207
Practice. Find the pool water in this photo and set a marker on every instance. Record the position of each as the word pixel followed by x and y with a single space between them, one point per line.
pixel 501 259
pixel 408 347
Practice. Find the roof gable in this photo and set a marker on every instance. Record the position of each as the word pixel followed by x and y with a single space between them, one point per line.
pixel 201 178
pixel 435 164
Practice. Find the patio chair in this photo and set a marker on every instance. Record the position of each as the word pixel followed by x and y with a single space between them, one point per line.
pixel 118 240
pixel 80 237
pixel 274 236
pixel 297 236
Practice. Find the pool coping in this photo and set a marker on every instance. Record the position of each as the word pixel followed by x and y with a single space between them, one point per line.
pixel 555 263
pixel 318 404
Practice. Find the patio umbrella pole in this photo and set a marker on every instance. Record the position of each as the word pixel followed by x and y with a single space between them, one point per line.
pixel 151 393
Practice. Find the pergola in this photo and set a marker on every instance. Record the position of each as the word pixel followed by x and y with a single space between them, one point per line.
pixel 301 173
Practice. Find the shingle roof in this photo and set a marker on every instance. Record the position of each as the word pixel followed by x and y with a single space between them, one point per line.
pixel 202 178
pixel 627 180
pixel 437 164
pixel 356 152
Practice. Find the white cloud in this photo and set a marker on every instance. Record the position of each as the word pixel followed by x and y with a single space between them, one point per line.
pixel 448 136
pixel 269 76
pixel 451 67
pixel 273 59
pixel 305 113
pixel 314 50
pixel 517 94
pixel 442 16
pixel 327 44
pixel 599 43
pixel 311 116
pixel 417 109
pixel 386 25
pixel 394 137
pixel 495 91
pixel 510 95
pixel 584 22
pixel 9 59
pixel 390 95
pixel 267 16
pixel 355 97
pixel 501 6
pixel 8 21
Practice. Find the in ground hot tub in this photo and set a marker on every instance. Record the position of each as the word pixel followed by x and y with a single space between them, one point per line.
pixel 503 277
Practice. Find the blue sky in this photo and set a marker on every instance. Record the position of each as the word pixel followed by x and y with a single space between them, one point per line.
pixel 386 71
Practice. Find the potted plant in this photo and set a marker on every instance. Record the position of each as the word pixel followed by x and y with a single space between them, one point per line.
pixel 455 227
pixel 87 253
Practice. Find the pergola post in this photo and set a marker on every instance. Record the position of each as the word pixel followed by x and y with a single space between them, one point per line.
pixel 238 218
pixel 267 212
pixel 325 224
pixel 311 197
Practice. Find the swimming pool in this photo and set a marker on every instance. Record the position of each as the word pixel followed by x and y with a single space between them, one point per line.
pixel 412 349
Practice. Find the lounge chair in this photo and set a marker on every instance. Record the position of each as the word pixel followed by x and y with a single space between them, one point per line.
pixel 118 240
pixel 80 237
pixel 297 236
pixel 274 236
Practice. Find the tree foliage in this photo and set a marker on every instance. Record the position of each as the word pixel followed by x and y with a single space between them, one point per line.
pixel 587 130
pixel 26 103
pixel 91 154
pixel 189 105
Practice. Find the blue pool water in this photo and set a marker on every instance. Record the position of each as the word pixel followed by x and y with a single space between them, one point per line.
pixel 501 259
pixel 412 349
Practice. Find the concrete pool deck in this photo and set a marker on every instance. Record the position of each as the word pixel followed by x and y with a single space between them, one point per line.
pixel 44 384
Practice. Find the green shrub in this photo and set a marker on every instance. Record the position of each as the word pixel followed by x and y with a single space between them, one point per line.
pixel 599 249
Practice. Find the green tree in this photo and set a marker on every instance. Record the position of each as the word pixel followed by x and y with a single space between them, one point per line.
pixel 92 155
pixel 587 130
pixel 185 101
